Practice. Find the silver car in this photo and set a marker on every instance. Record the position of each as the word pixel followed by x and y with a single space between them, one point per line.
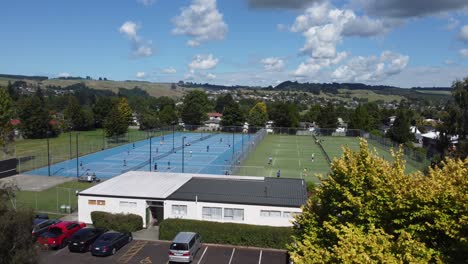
pixel 184 247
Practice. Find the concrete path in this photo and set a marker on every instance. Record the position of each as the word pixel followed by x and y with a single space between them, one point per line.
pixel 151 234
pixel 36 183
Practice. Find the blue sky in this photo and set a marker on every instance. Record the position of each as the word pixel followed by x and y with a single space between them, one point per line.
pixel 253 42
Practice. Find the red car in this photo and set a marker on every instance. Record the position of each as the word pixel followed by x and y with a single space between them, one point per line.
pixel 58 235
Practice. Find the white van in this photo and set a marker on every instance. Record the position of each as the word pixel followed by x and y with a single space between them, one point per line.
pixel 184 247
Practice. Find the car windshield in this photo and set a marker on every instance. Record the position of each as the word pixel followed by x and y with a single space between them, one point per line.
pixel 179 246
pixel 55 230
pixel 81 234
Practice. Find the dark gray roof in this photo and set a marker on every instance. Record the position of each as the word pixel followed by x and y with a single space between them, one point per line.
pixel 270 191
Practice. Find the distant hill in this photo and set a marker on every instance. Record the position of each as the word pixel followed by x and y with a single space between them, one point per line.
pixel 24 77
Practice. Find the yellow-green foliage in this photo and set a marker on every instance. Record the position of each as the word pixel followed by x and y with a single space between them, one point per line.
pixel 370 211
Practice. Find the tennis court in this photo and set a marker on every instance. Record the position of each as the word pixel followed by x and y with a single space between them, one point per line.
pixel 292 155
pixel 208 153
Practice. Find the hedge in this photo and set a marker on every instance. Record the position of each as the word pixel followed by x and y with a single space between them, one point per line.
pixel 117 222
pixel 229 233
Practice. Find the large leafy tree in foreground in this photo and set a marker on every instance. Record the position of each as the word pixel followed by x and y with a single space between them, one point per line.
pixel 16 244
pixel 370 211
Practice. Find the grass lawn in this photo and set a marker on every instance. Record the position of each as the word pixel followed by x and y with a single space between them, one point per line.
pixel 291 155
pixel 33 152
pixel 51 199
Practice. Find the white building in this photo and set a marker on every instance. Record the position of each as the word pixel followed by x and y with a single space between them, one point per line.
pixel 214 120
pixel 156 196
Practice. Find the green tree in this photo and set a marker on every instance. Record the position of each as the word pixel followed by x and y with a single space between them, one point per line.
pixel 78 118
pixel 167 115
pixel 119 118
pixel 327 117
pixel 400 131
pixel 222 102
pixel 101 110
pixel 16 243
pixel 35 118
pixel 312 114
pixel 148 120
pixel 195 107
pixel 232 115
pixel 258 115
pixel 5 117
pixel 368 210
pixel 279 114
pixel 361 119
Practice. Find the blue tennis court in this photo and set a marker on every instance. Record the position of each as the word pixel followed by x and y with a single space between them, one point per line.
pixel 205 153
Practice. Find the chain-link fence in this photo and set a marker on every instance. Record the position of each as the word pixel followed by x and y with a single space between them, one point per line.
pixel 40 153
pixel 54 200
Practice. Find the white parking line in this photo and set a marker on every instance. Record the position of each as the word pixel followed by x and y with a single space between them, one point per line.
pixel 260 258
pixel 232 255
pixel 202 255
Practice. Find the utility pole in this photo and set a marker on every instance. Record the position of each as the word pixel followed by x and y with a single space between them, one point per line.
pixel 48 153
pixel 183 153
pixel 150 153
pixel 77 157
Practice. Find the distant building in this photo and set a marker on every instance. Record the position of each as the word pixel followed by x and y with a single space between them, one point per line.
pixel 269 126
pixel 214 121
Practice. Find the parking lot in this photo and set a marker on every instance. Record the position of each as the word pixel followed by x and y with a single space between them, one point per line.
pixel 148 252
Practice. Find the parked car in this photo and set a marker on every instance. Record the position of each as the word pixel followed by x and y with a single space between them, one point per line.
pixel 184 247
pixel 42 225
pixel 40 218
pixel 82 240
pixel 109 242
pixel 58 235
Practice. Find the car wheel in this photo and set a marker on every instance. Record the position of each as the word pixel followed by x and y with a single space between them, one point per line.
pixel 64 243
pixel 113 251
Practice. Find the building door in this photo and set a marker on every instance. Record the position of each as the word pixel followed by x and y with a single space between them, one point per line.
pixel 156 210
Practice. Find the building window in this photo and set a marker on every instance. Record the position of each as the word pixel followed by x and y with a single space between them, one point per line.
pixel 212 213
pixel 267 213
pixel 92 202
pixel 127 204
pixel 290 214
pixel 101 202
pixel 179 209
pixel 233 214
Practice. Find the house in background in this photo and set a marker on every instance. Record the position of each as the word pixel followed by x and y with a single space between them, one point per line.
pixel 214 121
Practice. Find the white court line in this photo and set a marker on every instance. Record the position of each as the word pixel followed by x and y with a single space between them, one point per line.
pixel 260 258
pixel 232 255
pixel 202 255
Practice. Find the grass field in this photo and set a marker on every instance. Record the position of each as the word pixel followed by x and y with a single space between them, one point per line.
pixel 51 199
pixel 291 154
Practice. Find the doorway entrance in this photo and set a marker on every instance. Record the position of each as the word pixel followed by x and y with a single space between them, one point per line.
pixel 155 212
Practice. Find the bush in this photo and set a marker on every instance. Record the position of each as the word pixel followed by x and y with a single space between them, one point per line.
pixel 229 233
pixel 117 222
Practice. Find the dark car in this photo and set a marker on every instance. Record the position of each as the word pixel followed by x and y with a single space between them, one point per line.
pixel 41 225
pixel 109 242
pixel 40 218
pixel 84 238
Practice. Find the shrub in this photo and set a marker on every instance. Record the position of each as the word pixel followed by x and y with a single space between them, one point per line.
pixel 229 233
pixel 117 222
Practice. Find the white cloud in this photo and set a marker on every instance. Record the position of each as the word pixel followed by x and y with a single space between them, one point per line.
pixel 452 23
pixel 201 21
pixel 281 27
pixel 288 4
pixel 273 64
pixel 371 69
pixel 463 34
pixel 324 27
pixel 141 47
pixel 130 29
pixel 463 53
pixel 203 62
pixel 146 2
pixel 64 74
pixel 140 75
pixel 210 76
pixel 169 70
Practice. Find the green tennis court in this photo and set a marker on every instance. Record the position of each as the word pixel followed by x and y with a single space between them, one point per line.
pixel 292 154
